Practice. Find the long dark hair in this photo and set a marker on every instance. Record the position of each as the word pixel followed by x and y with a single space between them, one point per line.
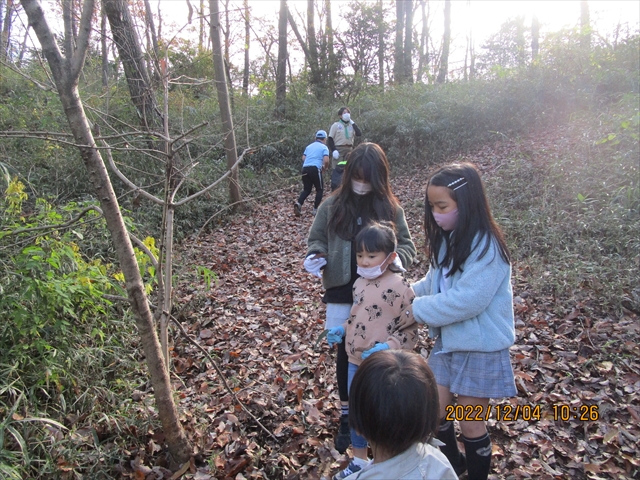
pixel 393 401
pixel 474 218
pixel 369 163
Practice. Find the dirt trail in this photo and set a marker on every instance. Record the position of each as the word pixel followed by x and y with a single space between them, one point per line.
pixel 261 321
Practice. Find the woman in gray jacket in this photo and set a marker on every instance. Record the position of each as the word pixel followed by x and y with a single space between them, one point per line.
pixel 365 196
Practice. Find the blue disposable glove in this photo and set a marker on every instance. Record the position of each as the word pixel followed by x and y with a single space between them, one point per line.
pixel 335 335
pixel 378 348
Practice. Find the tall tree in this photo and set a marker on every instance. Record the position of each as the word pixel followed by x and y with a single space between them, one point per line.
pixel 535 38
pixel 407 75
pixel 381 43
pixel 313 43
pixel 247 41
pixel 398 55
pixel 104 52
pixel 5 28
pixel 446 40
pixel 423 55
pixel 281 70
pixel 66 73
pixel 130 52
pixel 585 26
pixel 332 65
pixel 220 77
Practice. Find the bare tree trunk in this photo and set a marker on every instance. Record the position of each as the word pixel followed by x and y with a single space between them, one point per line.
pixel 23 47
pixel 151 28
pixel 331 54
pixel 446 40
pixel 3 4
pixel 202 30
pixel 316 80
pixel 281 71
pixel 104 48
pixel 5 35
pixel 223 101
pixel 125 38
pixel 247 41
pixel 66 73
pixel 407 76
pixel 67 15
pixel 535 38
pixel 585 26
pixel 381 43
pixel 423 58
pixel 398 67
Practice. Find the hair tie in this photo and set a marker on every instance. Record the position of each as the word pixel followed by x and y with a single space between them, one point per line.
pixel 457 181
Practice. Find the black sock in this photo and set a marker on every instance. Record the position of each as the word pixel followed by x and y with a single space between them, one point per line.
pixel 447 435
pixel 478 452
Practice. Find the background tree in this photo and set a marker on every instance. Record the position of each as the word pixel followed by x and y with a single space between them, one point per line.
pixel 281 73
pixel 585 26
pixel 423 53
pixel 535 38
pixel 247 42
pixel 220 77
pixel 443 71
pixel 66 73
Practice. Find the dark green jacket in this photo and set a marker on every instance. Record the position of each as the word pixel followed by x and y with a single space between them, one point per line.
pixel 338 251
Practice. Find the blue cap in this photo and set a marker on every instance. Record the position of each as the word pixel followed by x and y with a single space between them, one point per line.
pixel 321 134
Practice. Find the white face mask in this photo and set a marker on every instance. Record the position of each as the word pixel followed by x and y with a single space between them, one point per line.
pixel 360 188
pixel 372 273
pixel 346 117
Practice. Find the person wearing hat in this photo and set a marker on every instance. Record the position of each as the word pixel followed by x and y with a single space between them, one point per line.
pixel 315 158
pixel 341 137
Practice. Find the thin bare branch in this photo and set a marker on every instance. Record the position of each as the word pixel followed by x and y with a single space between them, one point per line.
pixel 143 247
pixel 82 45
pixel 46 88
pixel 128 182
pixel 205 190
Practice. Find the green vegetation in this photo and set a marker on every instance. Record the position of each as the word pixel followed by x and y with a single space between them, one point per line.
pixel 68 355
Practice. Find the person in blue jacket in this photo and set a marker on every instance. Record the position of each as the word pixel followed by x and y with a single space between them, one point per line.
pixel 467 302
pixel 315 158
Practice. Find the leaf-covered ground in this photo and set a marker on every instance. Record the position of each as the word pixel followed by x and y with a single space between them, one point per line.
pixel 262 318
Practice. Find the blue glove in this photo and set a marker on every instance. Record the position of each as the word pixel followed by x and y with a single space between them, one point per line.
pixel 335 335
pixel 378 348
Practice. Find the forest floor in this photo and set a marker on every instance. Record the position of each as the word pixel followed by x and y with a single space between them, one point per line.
pixel 262 317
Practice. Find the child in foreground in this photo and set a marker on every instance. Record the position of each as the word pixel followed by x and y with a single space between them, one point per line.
pixel 467 302
pixel 394 405
pixel 381 316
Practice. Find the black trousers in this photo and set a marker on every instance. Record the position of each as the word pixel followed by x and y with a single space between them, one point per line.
pixel 311 177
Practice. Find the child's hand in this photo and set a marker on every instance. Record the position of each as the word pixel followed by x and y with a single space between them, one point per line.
pixel 335 335
pixel 314 263
pixel 378 348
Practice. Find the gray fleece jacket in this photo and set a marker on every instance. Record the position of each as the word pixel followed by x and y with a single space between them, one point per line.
pixel 338 251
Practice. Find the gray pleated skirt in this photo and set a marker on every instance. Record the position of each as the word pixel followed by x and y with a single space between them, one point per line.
pixel 473 374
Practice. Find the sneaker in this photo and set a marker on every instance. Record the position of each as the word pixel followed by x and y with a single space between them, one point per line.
pixel 343 439
pixel 297 209
pixel 352 468
pixel 315 210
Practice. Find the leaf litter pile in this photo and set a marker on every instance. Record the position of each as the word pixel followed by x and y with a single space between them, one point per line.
pixel 261 318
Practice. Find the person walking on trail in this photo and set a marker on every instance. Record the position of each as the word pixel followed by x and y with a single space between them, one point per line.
pixel 315 158
pixel 467 301
pixel 364 197
pixel 381 317
pixel 341 137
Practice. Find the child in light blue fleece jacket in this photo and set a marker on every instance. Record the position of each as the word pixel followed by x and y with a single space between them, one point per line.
pixel 467 302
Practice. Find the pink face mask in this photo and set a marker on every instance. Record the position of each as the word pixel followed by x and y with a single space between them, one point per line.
pixel 447 221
